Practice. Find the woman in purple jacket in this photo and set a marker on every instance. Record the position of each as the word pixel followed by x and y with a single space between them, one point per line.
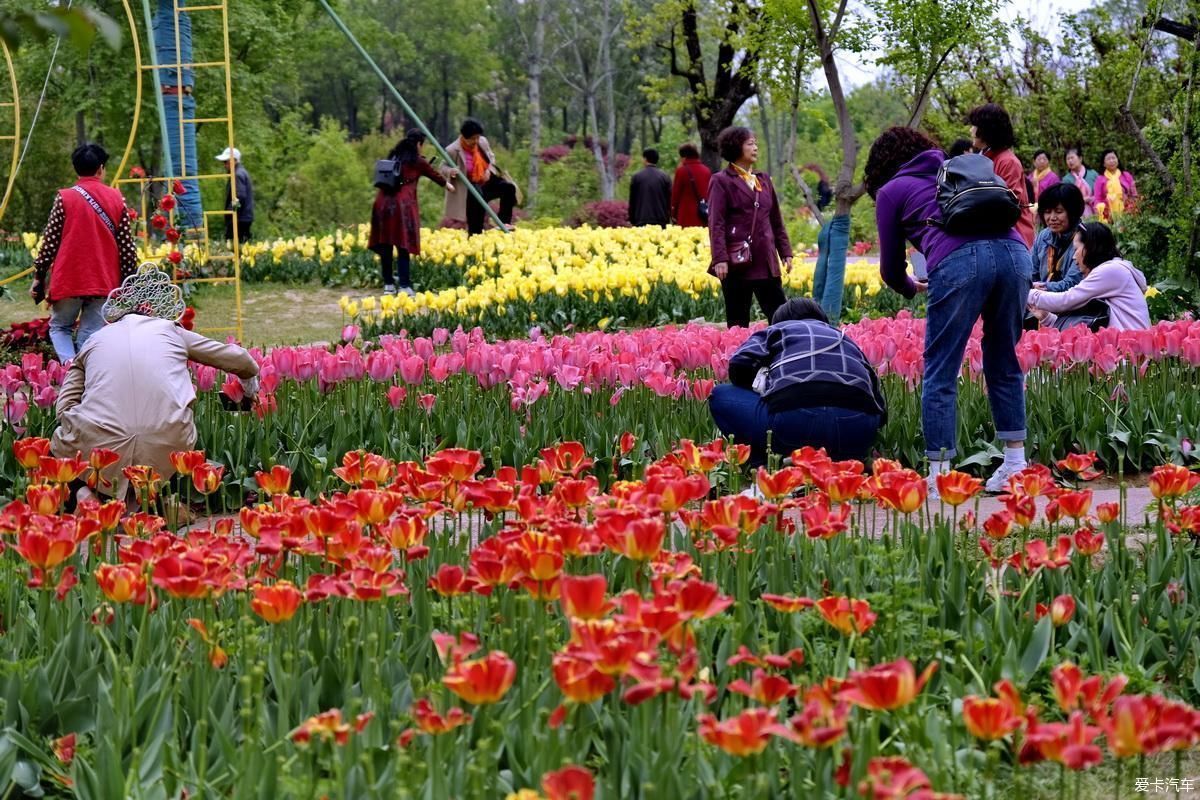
pixel 746 231
pixel 968 277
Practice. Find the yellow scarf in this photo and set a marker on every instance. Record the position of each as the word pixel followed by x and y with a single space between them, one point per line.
pixel 1114 194
pixel 749 177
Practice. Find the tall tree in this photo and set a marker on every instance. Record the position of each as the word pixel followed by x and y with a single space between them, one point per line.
pixel 717 87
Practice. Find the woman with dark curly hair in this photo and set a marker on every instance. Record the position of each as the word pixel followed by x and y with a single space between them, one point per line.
pixel 745 229
pixel 968 276
pixel 992 130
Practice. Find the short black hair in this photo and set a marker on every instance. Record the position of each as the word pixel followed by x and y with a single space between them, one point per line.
pixel 1099 244
pixel 730 142
pixel 651 155
pixel 88 158
pixel 799 308
pixel 993 125
pixel 1037 153
pixel 959 147
pixel 894 148
pixel 471 127
pixel 1108 150
pixel 688 150
pixel 1074 150
pixel 1066 195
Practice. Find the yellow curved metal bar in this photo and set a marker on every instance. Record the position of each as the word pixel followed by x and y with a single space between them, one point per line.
pixel 14 278
pixel 16 148
pixel 137 98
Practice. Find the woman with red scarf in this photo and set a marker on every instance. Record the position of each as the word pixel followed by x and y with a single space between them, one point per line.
pixel 472 157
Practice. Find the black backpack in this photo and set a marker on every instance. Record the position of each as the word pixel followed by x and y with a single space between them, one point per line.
pixel 973 199
pixel 387 173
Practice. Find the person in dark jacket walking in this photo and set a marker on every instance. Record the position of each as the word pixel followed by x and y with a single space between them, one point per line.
pixel 690 189
pixel 969 276
pixel 745 231
pixel 818 389
pixel 243 207
pixel 86 251
pixel 650 193
pixel 396 217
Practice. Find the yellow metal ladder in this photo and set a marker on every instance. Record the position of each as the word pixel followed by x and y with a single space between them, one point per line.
pixel 207 253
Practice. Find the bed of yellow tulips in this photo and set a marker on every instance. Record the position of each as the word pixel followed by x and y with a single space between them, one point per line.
pixel 582 277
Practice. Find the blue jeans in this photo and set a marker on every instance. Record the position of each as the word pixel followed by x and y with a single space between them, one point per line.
pixel 829 278
pixel 989 277
pixel 744 415
pixel 62 324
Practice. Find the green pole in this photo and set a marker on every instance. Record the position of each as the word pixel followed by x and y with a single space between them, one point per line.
pixel 168 164
pixel 408 110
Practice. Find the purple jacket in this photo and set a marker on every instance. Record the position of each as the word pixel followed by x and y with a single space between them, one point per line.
pixel 732 215
pixel 902 206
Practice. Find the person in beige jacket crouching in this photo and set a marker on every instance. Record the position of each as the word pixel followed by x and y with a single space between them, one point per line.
pixel 129 389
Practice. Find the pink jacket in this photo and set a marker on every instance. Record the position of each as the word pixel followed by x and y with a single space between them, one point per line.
pixel 1116 282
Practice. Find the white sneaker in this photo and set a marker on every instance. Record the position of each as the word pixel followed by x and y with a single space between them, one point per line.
pixel 408 290
pixel 753 491
pixel 933 496
pixel 389 288
pixel 998 483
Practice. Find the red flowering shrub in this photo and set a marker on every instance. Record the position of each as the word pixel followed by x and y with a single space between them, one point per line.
pixel 602 214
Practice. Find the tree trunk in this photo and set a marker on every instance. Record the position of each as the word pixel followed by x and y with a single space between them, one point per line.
pixel 715 107
pixel 608 166
pixel 536 52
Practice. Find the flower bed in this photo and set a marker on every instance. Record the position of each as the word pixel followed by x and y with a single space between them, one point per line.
pixel 425 631
pixel 1116 393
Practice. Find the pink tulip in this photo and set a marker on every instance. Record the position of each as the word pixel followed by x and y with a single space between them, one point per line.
pixel 206 377
pixel 396 395
pixel 412 369
pixel 427 401
pixel 15 407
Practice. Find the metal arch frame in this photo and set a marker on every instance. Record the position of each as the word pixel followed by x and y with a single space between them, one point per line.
pixel 16 137
pixel 137 98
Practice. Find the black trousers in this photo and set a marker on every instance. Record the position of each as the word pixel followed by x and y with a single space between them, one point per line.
pixel 496 188
pixel 739 293
pixel 243 229
pixel 402 265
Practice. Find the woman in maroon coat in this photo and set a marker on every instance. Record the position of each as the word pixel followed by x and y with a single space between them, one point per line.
pixel 690 188
pixel 396 217
pixel 745 229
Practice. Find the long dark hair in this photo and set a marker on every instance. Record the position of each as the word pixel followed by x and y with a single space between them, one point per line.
pixel 405 150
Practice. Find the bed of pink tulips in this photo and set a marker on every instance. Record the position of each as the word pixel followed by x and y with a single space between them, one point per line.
pixel 1117 393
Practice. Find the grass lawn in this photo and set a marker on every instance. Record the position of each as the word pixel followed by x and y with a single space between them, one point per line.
pixel 273 313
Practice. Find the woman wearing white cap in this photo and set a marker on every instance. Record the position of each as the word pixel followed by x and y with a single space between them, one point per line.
pixel 243 209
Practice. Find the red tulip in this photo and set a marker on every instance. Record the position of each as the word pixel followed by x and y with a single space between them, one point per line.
pixel 956 488
pixel 276 603
pixel 1075 504
pixel 29 451
pixel 569 783
pixel 584 597
pixel 484 680
pixel 887 686
pixel 998 525
pixel 990 718
pixel 1081 465
pixel 185 461
pixel 1170 481
pixel 746 734
pixel 426 717
pixel 277 481
pixel 787 603
pixel 207 477
pixel 121 583
pixel 579 679
pixel 847 615
pixel 766 689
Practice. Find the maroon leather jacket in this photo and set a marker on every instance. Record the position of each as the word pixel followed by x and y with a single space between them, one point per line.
pixel 732 214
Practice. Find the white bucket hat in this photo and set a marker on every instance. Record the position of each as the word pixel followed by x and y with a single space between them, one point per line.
pixel 229 152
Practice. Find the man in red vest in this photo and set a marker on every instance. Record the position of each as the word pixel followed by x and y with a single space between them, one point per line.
pixel 87 250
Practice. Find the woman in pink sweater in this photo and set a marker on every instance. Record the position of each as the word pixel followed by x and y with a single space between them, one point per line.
pixel 1107 278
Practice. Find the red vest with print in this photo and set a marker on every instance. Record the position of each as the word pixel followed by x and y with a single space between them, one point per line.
pixel 87 264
